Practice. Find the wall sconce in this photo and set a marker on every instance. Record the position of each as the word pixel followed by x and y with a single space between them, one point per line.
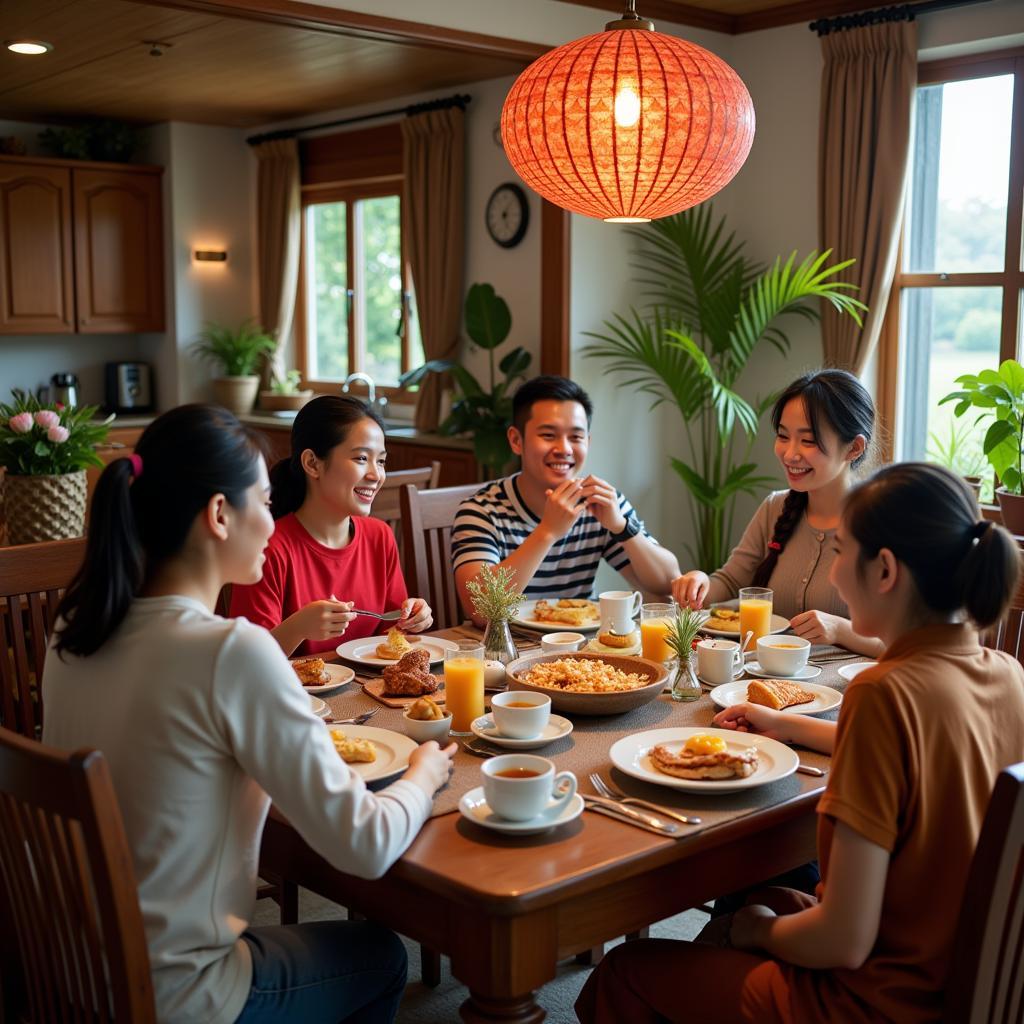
pixel 210 255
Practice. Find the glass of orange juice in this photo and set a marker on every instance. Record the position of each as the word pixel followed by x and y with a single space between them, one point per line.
pixel 655 623
pixel 755 613
pixel 464 684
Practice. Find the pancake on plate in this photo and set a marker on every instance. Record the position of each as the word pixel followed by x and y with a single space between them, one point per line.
pixel 569 611
pixel 704 757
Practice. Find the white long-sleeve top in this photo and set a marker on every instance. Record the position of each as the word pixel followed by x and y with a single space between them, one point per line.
pixel 203 723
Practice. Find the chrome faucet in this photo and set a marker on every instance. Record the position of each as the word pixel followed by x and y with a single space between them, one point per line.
pixel 378 406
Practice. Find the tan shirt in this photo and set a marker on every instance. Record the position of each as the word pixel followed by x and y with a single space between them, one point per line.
pixel 800 578
pixel 921 738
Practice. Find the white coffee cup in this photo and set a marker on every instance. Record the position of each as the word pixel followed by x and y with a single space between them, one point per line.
pixel 520 714
pixel 520 786
pixel 783 655
pixel 618 610
pixel 555 643
pixel 718 661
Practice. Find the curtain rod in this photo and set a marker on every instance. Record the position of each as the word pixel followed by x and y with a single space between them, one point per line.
pixel 904 12
pixel 459 100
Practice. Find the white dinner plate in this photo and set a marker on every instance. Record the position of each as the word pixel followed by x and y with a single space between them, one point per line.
pixel 340 675
pixel 526 620
pixel 474 807
pixel 364 651
pixel 755 668
pixel 318 707
pixel 779 623
pixel 631 755
pixel 393 750
pixel 556 728
pixel 849 671
pixel 825 698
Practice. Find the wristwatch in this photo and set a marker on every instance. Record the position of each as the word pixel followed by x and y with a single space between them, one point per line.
pixel 629 531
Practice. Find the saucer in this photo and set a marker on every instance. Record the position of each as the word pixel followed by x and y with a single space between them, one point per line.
pixel 807 672
pixel 474 807
pixel 849 671
pixel 556 728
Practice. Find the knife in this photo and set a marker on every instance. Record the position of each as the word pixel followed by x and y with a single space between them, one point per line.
pixel 616 813
pixel 652 821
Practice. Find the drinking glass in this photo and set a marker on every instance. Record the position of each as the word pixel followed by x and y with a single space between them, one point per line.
pixel 655 623
pixel 755 613
pixel 464 684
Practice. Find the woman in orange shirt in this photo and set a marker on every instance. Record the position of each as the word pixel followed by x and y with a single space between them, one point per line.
pixel 920 739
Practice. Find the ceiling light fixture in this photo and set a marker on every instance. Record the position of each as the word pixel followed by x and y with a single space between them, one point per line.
pixel 33 47
pixel 628 124
pixel 156 46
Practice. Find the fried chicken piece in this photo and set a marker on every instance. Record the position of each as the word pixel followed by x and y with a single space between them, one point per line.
pixel 411 676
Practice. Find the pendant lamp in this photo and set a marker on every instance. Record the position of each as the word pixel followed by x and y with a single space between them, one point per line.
pixel 628 124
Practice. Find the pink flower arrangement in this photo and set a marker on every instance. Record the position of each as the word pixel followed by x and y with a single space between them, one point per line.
pixel 47 418
pixel 57 434
pixel 22 423
pixel 38 440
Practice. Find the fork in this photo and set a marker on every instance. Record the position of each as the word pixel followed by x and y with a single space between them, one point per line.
pixel 612 792
pixel 386 617
pixel 358 720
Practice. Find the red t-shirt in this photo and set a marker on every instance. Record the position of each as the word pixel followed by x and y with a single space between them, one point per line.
pixel 299 569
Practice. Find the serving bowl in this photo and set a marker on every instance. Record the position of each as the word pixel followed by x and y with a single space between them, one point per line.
pixel 613 703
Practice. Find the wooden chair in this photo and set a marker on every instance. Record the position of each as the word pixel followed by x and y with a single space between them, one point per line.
pixel 1008 634
pixel 427 518
pixel 986 979
pixel 388 505
pixel 33 578
pixel 66 876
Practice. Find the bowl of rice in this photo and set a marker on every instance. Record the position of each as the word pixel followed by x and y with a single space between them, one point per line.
pixel 589 684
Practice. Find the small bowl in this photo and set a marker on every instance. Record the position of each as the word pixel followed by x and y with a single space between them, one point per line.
pixel 494 675
pixel 422 731
pixel 563 641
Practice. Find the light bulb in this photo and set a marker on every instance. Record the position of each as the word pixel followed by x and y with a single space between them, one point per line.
pixel 627 107
pixel 30 46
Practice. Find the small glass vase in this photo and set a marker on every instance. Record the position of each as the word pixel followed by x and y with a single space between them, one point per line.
pixel 498 642
pixel 685 684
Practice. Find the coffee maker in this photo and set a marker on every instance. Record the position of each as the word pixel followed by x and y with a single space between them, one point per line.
pixel 129 387
pixel 64 389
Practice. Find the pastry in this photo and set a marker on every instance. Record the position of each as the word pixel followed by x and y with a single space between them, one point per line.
pixel 411 676
pixel 777 694
pixel 725 620
pixel 394 646
pixel 620 640
pixel 311 671
pixel 424 710
pixel 705 757
pixel 352 750
pixel 571 611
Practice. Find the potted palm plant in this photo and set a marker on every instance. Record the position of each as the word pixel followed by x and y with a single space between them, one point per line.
pixel 710 307
pixel 237 352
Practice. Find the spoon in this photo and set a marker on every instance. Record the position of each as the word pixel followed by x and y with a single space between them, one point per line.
pixel 386 617
pixel 746 640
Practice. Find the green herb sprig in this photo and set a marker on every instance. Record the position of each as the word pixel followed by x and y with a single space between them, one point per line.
pixel 684 629
pixel 494 594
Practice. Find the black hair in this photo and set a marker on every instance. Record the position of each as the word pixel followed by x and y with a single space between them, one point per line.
pixel 139 521
pixel 928 518
pixel 320 425
pixel 547 387
pixel 834 397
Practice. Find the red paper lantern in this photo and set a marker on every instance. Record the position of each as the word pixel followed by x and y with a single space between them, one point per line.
pixel 628 124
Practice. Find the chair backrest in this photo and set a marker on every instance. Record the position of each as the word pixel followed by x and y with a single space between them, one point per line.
pixel 387 505
pixel 32 579
pixel 427 518
pixel 986 979
pixel 1008 634
pixel 67 879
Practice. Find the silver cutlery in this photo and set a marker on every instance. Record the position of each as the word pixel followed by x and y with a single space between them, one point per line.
pixel 630 812
pixel 807 769
pixel 469 748
pixel 386 617
pixel 358 720
pixel 612 792
pixel 623 814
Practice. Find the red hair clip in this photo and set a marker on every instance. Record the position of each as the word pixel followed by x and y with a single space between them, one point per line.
pixel 774 545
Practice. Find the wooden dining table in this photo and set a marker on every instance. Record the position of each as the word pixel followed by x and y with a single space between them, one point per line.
pixel 506 909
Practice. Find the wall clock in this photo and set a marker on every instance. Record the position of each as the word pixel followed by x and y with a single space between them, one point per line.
pixel 507 215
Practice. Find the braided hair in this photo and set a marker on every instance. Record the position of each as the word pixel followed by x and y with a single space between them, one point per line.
pixel 838 399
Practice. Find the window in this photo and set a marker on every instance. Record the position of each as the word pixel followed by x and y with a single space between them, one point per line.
pixel 957 296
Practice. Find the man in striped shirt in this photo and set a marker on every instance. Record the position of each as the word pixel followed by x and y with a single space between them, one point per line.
pixel 550 523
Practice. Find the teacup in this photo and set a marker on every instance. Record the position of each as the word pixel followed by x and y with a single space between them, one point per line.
pixel 520 714
pixel 718 661
pixel 618 610
pixel 555 643
pixel 518 787
pixel 783 655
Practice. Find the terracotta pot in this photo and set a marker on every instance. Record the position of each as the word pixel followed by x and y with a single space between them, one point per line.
pixel 274 402
pixel 39 508
pixel 1011 508
pixel 236 394
pixel 974 482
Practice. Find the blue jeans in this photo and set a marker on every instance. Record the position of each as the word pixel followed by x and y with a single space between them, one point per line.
pixel 325 972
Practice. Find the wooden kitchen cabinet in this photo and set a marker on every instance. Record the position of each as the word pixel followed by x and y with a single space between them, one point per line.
pixel 81 247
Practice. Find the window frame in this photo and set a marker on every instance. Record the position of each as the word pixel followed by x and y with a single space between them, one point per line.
pixel 1010 278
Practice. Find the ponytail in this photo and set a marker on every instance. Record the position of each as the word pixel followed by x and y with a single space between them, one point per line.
pixel 988 575
pixel 140 519
pixel 287 486
pixel 793 509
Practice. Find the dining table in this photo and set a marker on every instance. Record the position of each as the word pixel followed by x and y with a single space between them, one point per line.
pixel 506 909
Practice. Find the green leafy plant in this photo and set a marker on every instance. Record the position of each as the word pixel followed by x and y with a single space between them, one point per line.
pixel 92 140
pixel 710 307
pixel 999 394
pixel 494 594
pixel 486 414
pixel 961 450
pixel 683 630
pixel 288 384
pixel 48 440
pixel 237 352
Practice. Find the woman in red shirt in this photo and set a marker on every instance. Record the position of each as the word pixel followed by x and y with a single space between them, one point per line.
pixel 327 556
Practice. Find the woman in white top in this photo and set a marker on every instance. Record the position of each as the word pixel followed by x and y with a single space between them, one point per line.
pixel 203 723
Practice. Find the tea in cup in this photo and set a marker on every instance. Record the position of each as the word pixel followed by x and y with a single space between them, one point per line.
pixel 556 643
pixel 618 610
pixel 718 661
pixel 520 714
pixel 519 787
pixel 783 655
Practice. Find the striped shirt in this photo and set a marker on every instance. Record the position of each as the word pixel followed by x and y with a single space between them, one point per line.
pixel 492 524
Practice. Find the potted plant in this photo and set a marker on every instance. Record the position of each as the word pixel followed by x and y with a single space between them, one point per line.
pixel 710 308
pixel 44 450
pixel 485 414
pixel 496 599
pixel 285 394
pixel 999 394
pixel 237 353
pixel 962 453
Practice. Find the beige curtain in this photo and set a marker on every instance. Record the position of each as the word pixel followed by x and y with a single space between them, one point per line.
pixel 278 225
pixel 433 235
pixel 867 97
